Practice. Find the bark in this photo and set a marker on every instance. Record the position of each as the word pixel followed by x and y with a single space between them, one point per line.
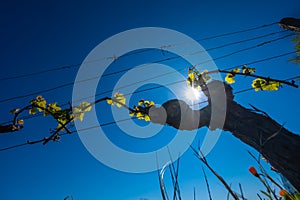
pixel 10 128
pixel 251 126
pixel 290 23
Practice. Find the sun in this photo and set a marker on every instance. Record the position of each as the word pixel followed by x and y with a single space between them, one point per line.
pixel 192 94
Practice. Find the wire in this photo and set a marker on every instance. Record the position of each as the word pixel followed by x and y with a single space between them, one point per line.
pixel 44 139
pixel 156 87
pixel 136 52
pixel 108 123
pixel 236 32
pixel 221 57
pixel 167 59
pixel 246 40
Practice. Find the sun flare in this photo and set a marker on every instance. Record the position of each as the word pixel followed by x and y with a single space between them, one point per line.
pixel 192 94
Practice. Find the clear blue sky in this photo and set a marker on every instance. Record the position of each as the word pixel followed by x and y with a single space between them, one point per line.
pixel 41 35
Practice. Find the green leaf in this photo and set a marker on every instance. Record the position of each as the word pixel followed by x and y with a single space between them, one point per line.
pixel 131 114
pixel 247 70
pixel 141 102
pixel 119 98
pixel 236 70
pixel 53 107
pixel 196 79
pixel 85 106
pixel 40 103
pixel 80 117
pixel 147 118
pixel 266 194
pixel 109 101
pixel 192 76
pixel 140 115
pixel 229 78
pixel 297 196
pixel 33 111
pixel 263 84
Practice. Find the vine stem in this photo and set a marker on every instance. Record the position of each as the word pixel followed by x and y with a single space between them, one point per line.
pixel 255 76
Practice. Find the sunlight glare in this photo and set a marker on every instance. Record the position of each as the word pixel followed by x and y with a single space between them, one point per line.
pixel 192 94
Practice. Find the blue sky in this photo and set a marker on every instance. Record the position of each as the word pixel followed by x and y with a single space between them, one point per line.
pixel 39 36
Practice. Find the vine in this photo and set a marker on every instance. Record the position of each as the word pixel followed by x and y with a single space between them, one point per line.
pixel 197 79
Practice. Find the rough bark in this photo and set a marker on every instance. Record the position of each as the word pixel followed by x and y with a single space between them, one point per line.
pixel 290 23
pixel 10 128
pixel 251 126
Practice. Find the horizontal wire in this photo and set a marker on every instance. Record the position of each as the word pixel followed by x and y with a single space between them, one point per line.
pixel 132 53
pixel 167 59
pixel 109 123
pixel 156 87
pixel 44 139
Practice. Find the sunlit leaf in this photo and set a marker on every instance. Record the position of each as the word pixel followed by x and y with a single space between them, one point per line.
pixel 85 106
pixel 147 118
pixel 229 78
pixel 40 103
pixel 59 127
pixel 140 115
pixel 131 114
pixel 119 100
pixel 236 70
pixel 151 103
pixel 53 107
pixel 263 84
pixel 196 79
pixel 32 111
pixel 247 70
pixel 141 110
pixel 80 116
pixel 62 121
pixel 21 121
pixel 191 76
pixel 109 101
pixel 148 103
pixel 141 102
pixel 136 108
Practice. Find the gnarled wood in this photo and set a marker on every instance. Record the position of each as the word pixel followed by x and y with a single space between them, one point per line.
pixel 257 129
pixel 290 23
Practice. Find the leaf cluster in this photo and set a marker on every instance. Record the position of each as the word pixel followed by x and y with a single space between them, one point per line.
pixel 196 79
pixel 257 84
pixel 245 71
pixel 141 111
pixel 62 116
pixel 119 100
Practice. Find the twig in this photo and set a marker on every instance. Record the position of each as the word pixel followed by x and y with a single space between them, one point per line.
pixel 202 158
pixel 207 184
pixel 242 194
pixel 292 83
